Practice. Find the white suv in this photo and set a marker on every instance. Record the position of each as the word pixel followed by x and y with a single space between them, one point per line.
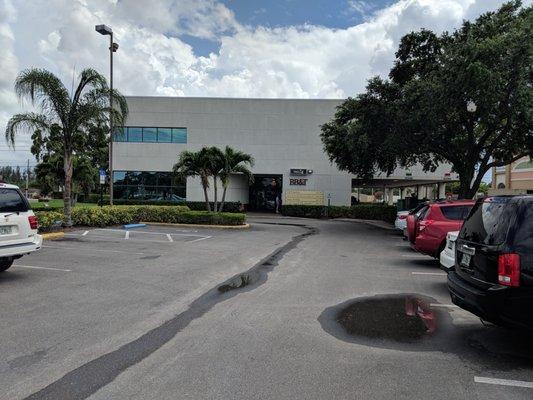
pixel 18 226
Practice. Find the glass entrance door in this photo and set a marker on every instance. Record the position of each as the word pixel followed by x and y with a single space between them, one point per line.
pixel 265 193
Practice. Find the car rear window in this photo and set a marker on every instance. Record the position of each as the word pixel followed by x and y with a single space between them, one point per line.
pixel 455 212
pixel 523 239
pixel 11 200
pixel 488 222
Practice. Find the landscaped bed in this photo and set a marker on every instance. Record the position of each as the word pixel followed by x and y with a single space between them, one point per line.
pixel 120 215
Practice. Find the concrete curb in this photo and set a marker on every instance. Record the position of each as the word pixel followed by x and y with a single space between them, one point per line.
pixel 377 223
pixel 52 235
pixel 245 226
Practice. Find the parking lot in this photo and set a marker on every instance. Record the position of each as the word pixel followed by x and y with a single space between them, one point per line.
pixel 107 314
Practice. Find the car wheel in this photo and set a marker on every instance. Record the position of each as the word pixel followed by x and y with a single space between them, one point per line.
pixel 5 263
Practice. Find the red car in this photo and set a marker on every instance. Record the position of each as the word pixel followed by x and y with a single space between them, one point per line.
pixel 427 228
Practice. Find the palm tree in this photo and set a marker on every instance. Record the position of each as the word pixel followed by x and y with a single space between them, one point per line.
pixel 196 163
pixel 70 113
pixel 235 161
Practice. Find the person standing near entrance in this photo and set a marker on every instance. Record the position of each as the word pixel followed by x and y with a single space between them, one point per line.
pixel 276 192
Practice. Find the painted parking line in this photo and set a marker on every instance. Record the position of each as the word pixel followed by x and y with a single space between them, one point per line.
pixel 169 237
pixel 197 240
pixel 47 268
pixel 85 233
pixel 416 256
pixel 430 273
pixel 127 235
pixel 91 250
pixel 503 382
pixel 153 233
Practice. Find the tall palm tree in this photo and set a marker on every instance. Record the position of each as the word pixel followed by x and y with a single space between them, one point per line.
pixel 71 113
pixel 196 163
pixel 235 161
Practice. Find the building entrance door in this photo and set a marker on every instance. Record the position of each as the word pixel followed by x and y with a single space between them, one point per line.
pixel 265 193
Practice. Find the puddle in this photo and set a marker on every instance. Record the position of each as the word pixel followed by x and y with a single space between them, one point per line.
pixel 407 322
pixel 400 318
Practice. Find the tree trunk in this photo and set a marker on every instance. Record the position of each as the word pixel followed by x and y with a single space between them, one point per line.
pixel 207 205
pixel 223 198
pixel 67 190
pixel 215 203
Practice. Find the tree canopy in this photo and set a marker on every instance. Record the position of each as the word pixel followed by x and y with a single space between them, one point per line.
pixel 420 115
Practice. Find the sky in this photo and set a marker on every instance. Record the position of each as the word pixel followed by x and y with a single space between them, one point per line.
pixel 214 48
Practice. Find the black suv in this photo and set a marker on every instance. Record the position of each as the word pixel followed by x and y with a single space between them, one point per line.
pixel 493 275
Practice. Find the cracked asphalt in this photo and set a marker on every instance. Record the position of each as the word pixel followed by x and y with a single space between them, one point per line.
pixel 102 316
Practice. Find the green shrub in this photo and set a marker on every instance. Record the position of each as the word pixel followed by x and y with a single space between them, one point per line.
pixel 232 206
pixel 93 198
pixel 361 211
pixel 119 215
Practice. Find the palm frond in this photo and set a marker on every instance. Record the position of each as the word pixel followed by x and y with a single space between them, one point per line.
pixel 26 121
pixel 43 87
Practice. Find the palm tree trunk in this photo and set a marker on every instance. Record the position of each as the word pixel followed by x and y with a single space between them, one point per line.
pixel 215 205
pixel 204 186
pixel 67 190
pixel 223 197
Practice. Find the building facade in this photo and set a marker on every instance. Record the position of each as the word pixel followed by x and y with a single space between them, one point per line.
pixel 283 136
pixel 516 177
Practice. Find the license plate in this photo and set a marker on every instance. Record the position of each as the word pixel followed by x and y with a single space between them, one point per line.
pixel 465 260
pixel 6 230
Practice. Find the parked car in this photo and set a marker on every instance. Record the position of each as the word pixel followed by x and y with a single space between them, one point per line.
pixel 401 220
pixel 493 275
pixel 412 217
pixel 447 256
pixel 434 221
pixel 18 226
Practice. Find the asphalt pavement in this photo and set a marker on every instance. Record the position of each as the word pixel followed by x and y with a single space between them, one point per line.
pixel 246 314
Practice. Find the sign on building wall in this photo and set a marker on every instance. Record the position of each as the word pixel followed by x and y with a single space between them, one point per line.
pixel 298 182
pixel 304 197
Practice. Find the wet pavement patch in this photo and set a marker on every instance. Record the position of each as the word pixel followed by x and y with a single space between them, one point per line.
pixel 401 318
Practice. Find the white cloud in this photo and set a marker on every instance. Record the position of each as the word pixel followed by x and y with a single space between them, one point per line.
pixel 299 61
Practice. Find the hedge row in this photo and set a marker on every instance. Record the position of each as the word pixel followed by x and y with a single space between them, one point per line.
pixel 362 211
pixel 118 215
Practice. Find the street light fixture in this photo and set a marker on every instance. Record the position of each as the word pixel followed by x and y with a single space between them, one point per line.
pixel 113 47
pixel 471 106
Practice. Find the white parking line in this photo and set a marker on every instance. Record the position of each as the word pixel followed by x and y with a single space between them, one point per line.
pixel 85 233
pixel 430 273
pixel 504 382
pixel 416 256
pixel 169 237
pixel 127 236
pixel 443 305
pixel 48 268
pixel 91 250
pixel 151 233
pixel 197 240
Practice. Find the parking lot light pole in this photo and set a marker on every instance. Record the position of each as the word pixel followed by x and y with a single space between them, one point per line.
pixel 113 47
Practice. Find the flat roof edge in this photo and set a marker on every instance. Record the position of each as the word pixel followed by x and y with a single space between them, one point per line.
pixel 232 98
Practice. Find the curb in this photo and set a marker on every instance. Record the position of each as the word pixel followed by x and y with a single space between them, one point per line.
pixel 382 225
pixel 53 235
pixel 245 226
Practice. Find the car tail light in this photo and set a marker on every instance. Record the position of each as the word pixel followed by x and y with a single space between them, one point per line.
pixel 509 269
pixel 424 224
pixel 34 222
pixel 402 216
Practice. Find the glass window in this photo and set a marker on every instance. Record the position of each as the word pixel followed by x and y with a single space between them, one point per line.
pixel 149 178
pixel 179 135
pixel 523 239
pixel 488 222
pixel 164 179
pixel 11 200
pixel 135 134
pixel 456 213
pixel 150 135
pixel 164 135
pixel 120 134
pixel 119 177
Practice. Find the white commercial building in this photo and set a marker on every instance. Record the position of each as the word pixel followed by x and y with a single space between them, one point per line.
pixel 283 136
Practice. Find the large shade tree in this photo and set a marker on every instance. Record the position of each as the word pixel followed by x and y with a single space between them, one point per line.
pixel 463 97
pixel 66 114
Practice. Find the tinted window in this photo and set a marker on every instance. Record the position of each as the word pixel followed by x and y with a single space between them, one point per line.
pixel 179 135
pixel 489 221
pixel 120 134
pixel 150 135
pixel 421 214
pixel 164 135
pixel 135 134
pixel 523 239
pixel 457 213
pixel 11 200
